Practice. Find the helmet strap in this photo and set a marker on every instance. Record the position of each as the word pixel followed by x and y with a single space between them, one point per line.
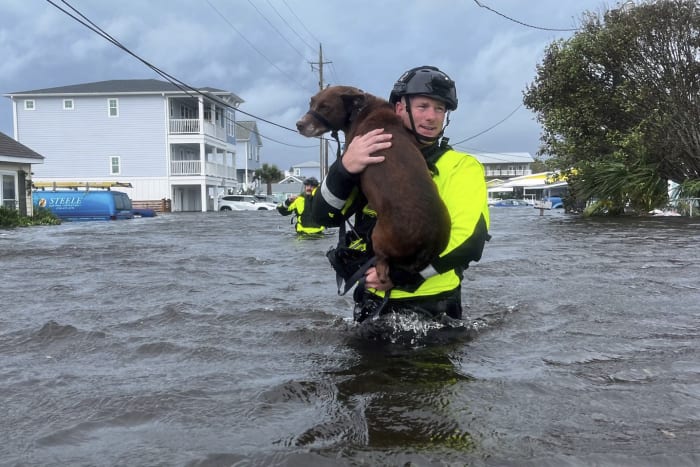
pixel 422 140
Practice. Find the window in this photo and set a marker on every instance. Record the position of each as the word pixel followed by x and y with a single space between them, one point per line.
pixel 67 104
pixel 115 165
pixel 113 107
pixel 230 124
pixel 186 112
pixel 7 188
pixel 29 104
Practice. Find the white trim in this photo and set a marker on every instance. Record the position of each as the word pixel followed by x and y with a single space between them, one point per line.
pixel 15 190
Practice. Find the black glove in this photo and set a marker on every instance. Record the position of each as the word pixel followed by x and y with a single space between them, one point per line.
pixel 346 261
pixel 405 280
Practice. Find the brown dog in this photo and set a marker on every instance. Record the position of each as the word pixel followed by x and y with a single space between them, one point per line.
pixel 413 224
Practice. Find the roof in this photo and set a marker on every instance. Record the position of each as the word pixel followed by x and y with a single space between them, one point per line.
pixel 245 128
pixel 551 185
pixel 9 148
pixel 123 86
pixel 503 157
pixel 529 181
pixel 290 179
pixel 307 164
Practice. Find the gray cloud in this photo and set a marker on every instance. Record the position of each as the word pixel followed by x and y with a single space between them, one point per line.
pixel 264 52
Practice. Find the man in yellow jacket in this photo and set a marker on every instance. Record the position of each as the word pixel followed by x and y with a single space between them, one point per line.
pixel 422 98
pixel 300 207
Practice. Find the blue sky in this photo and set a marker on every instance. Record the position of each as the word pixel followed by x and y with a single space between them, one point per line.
pixel 263 50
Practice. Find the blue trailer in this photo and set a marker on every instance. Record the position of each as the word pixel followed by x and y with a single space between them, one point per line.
pixel 85 205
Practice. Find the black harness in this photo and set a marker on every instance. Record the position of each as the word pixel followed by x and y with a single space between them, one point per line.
pixel 324 121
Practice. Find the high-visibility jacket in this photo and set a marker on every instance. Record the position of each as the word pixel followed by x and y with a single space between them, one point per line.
pixel 304 222
pixel 460 180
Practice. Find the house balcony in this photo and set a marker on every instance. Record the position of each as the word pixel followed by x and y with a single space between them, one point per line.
pixel 194 167
pixel 195 126
pixel 505 173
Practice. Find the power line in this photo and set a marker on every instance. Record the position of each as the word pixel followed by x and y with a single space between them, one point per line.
pixel 491 127
pixel 289 25
pixel 507 157
pixel 251 44
pixel 332 67
pixel 275 28
pixel 186 88
pixel 301 22
pixel 520 22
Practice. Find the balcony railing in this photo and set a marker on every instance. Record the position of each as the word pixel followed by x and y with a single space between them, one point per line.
pixel 507 172
pixel 191 126
pixel 195 168
pixel 184 126
pixel 186 168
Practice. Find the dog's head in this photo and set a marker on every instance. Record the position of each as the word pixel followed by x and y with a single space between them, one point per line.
pixel 331 110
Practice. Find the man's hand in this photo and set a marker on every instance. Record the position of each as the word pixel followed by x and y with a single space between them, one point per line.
pixel 372 280
pixel 359 153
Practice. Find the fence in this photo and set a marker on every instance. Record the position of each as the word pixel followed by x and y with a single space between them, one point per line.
pixel 158 205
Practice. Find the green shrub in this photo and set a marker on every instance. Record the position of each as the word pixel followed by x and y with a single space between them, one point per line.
pixel 12 218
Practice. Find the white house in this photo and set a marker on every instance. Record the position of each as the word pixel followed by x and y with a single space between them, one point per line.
pixel 248 145
pixel 169 143
pixel 16 165
pixel 288 186
pixel 307 169
pixel 505 164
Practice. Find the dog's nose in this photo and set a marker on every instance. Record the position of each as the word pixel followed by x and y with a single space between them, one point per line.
pixel 300 125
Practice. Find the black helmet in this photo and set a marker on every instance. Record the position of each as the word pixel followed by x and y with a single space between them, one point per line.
pixel 311 181
pixel 428 81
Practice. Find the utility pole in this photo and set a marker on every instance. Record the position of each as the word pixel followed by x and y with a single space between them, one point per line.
pixel 323 146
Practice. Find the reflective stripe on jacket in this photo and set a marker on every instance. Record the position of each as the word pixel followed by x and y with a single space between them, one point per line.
pixel 462 186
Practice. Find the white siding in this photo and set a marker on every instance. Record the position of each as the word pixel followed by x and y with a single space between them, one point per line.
pixel 81 141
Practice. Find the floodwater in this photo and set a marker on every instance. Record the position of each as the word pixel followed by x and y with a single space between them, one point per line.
pixel 218 339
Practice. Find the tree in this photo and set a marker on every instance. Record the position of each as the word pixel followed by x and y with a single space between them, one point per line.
pixel 623 94
pixel 268 174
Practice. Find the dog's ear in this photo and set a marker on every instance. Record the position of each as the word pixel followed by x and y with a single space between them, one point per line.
pixel 353 99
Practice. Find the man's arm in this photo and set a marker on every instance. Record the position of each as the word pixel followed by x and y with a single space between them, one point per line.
pixel 285 208
pixel 466 198
pixel 344 176
pixel 464 193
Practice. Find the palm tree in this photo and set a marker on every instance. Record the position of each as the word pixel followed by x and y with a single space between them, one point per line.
pixel 268 174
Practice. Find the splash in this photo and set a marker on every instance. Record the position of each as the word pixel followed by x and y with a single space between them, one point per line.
pixel 414 330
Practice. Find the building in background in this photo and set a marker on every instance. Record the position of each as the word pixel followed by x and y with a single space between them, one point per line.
pixel 306 170
pixel 16 165
pixel 248 146
pixel 504 165
pixel 169 143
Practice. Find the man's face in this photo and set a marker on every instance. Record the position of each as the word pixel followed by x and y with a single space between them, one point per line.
pixel 308 189
pixel 428 115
